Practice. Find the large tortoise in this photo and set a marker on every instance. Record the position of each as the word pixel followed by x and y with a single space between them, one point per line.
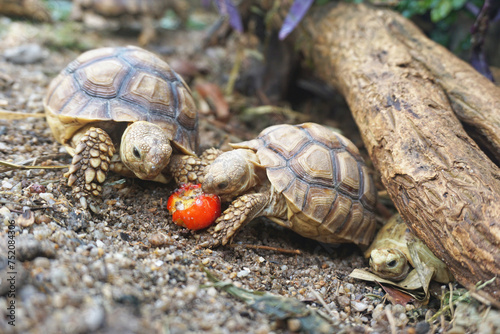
pixel 303 177
pixel 126 100
pixel 125 12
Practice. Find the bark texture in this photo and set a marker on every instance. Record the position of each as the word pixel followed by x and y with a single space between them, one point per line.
pixel 405 93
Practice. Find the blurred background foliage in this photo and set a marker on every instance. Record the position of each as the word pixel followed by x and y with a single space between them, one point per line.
pixel 456 24
pixel 438 18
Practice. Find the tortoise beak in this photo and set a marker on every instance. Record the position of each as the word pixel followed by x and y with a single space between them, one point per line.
pixel 151 172
pixel 206 186
pixel 156 161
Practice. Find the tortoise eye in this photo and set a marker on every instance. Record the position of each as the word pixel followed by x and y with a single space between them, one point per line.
pixel 136 152
pixel 392 263
pixel 222 185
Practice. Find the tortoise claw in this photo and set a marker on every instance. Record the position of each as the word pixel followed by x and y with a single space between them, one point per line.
pixel 241 211
pixel 209 240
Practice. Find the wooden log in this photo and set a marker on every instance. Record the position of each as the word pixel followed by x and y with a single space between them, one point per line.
pixel 404 91
pixel 474 99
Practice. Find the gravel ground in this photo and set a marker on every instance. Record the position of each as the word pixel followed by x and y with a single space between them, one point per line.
pixel 130 270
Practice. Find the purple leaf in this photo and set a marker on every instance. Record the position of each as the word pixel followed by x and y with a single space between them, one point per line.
pixel 297 11
pixel 226 7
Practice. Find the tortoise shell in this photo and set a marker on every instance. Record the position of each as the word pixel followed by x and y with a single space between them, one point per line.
pixel 329 191
pixel 112 87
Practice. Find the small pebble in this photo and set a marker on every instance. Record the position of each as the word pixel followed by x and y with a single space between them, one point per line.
pixel 243 273
pixel 293 325
pixel 344 301
pixel 422 327
pixel 36 188
pixel 41 262
pixel 42 219
pixel 94 318
pixel 48 197
pixel 160 239
pixel 359 306
pixel 7 185
pixel 6 215
pixel 26 219
pixel 59 276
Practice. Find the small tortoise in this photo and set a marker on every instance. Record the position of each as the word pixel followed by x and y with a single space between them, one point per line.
pixel 390 257
pixel 125 100
pixel 119 13
pixel 303 177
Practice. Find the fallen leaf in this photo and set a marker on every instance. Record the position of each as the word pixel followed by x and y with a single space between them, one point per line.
pixel 397 296
pixel 411 285
pixel 213 95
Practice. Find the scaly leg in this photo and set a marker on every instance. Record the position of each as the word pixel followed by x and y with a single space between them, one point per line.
pixel 241 211
pixel 90 165
pixel 189 169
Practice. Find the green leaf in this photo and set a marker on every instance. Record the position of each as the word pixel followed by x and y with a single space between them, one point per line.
pixel 457 4
pixel 441 11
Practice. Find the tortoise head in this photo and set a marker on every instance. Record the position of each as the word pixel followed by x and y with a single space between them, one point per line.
pixel 145 149
pixel 232 173
pixel 389 263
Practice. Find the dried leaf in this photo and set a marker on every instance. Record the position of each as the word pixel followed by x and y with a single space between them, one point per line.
pixel 397 296
pixel 425 272
pixel 213 94
pixel 411 285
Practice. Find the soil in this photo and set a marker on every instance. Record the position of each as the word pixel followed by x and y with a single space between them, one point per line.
pixel 130 269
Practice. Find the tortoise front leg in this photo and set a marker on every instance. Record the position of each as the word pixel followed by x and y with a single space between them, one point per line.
pixel 191 169
pixel 241 211
pixel 90 165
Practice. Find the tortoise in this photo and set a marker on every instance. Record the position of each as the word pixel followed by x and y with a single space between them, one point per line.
pixel 123 109
pixel 120 13
pixel 304 177
pixel 390 256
